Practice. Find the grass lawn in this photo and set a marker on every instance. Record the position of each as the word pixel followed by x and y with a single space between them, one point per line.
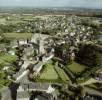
pixel 49 73
pixel 18 35
pixel 2 20
pixel 7 58
pixel 76 67
pixel 15 21
pixel 62 74
pixel 52 74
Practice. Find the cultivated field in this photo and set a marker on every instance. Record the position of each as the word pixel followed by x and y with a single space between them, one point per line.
pixel 18 35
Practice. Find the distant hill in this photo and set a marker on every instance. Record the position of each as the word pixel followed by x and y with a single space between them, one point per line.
pixel 52 10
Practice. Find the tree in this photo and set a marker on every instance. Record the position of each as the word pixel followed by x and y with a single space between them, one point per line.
pixel 62 51
pixel 89 54
pixel 1 65
pixel 0 96
pixel 19 52
pixel 3 39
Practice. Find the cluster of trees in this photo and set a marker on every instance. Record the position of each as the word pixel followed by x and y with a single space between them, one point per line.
pixel 3 79
pixel 63 52
pixel 90 55
pixel 20 27
pixel 19 52
pixel 7 28
pixel 3 39
pixel 49 31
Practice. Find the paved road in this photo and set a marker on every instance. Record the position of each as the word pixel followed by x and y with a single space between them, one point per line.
pixel 6 94
pixel 22 76
pixel 23 95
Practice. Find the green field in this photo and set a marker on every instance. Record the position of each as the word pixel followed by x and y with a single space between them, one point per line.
pixel 50 74
pixel 76 67
pixel 2 21
pixel 3 79
pixel 7 58
pixel 62 74
pixel 18 35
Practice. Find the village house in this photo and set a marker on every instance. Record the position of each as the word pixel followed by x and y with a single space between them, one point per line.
pixel 2 49
pixel 45 90
pixel 98 76
pixel 99 38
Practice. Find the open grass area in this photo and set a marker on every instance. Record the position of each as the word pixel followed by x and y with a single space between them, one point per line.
pixel 15 21
pixel 52 74
pixel 7 58
pixel 76 67
pixel 2 21
pixel 62 74
pixel 49 73
pixel 18 35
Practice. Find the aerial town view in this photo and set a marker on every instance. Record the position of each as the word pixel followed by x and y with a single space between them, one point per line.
pixel 50 49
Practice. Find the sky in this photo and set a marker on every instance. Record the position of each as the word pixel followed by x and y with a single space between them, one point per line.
pixel 53 3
